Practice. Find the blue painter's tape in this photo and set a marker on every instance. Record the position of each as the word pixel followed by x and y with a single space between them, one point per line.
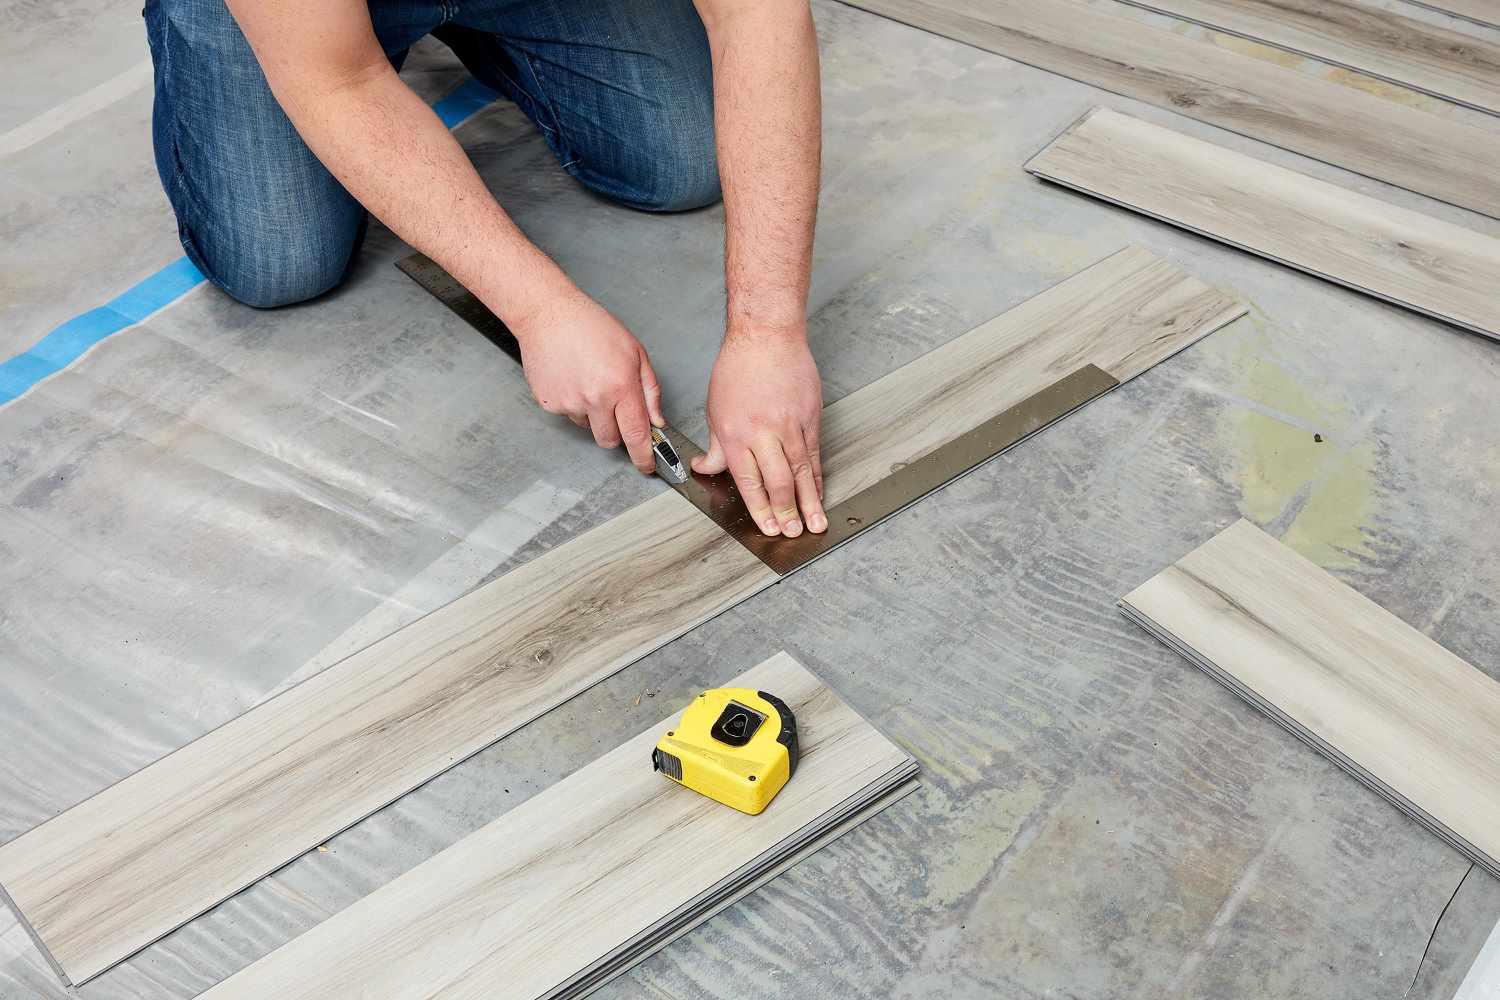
pixel 71 340
pixel 463 102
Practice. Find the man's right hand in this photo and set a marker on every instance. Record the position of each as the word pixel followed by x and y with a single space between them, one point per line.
pixel 581 362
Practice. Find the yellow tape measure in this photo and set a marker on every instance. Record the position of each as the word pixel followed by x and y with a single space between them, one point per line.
pixel 738 746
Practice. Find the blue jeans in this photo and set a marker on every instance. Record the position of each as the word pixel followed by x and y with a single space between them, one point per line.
pixel 621 90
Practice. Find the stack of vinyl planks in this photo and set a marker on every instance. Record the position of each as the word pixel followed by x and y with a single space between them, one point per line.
pixel 1380 699
pixel 587 878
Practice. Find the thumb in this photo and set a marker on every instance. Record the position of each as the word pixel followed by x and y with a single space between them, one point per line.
pixel 653 390
pixel 712 461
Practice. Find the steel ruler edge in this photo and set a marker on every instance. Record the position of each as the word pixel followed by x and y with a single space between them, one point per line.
pixel 718 498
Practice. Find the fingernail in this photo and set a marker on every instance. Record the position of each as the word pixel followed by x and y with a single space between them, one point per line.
pixel 771 528
pixel 817 522
pixel 793 528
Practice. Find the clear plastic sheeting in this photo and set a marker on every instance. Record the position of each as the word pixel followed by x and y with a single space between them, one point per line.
pixel 218 502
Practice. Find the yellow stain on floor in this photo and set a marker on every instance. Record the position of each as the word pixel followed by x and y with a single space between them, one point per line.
pixel 976 828
pixel 972 820
pixel 1279 457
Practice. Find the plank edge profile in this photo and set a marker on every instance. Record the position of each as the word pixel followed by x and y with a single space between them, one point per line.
pixel 1336 757
pixel 36 938
pixel 1247 692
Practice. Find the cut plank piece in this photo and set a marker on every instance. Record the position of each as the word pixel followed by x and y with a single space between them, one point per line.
pixel 111 875
pixel 1340 125
pixel 1356 36
pixel 1486 12
pixel 1379 698
pixel 537 903
pixel 1398 255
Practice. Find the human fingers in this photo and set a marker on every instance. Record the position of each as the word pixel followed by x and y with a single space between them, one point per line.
pixel 602 423
pixel 635 430
pixel 747 478
pixel 809 499
pixel 780 485
pixel 652 389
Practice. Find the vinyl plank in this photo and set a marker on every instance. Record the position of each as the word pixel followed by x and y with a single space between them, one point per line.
pixel 654 944
pixel 109 876
pixel 1130 311
pixel 516 909
pixel 1379 138
pixel 1486 12
pixel 1359 37
pixel 122 868
pixel 1402 256
pixel 1380 699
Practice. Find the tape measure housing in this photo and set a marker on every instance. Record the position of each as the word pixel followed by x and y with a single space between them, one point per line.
pixel 737 746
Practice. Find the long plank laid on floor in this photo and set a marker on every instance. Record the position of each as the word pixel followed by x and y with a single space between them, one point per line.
pixel 1357 36
pixel 1399 255
pixel 518 908
pixel 1376 696
pixel 1370 135
pixel 109 876
pixel 1486 12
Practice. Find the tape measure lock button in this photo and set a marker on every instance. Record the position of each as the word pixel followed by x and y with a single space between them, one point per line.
pixel 736 724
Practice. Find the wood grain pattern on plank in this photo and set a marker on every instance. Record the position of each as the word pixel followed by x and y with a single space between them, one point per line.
pixel 1486 12
pixel 109 876
pixel 1359 37
pixel 1379 138
pixel 1124 314
pixel 518 908
pixel 1405 257
pixel 122 868
pixel 1382 700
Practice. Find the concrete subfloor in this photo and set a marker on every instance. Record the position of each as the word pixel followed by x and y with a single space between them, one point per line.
pixel 219 501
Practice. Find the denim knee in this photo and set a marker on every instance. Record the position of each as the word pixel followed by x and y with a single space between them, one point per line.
pixel 660 156
pixel 257 212
pixel 263 271
pixel 676 167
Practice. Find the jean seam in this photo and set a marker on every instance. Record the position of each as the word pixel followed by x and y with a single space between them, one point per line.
pixel 182 192
pixel 546 101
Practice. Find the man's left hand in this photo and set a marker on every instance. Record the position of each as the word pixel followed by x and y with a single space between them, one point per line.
pixel 765 407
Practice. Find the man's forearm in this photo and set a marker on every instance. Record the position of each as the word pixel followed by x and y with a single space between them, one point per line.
pixel 393 154
pixel 768 119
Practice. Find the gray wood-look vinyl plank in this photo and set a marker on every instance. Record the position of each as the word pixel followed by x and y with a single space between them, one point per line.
pixel 1486 12
pixel 1422 152
pixel 581 871
pixel 1393 708
pixel 1396 254
pixel 112 874
pixel 1379 43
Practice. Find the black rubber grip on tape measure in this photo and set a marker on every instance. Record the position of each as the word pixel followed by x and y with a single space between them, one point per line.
pixel 788 735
